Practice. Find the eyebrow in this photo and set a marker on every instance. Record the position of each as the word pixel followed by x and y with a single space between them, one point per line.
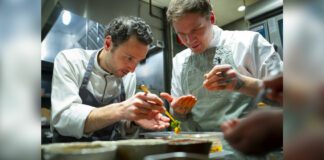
pixel 197 26
pixel 129 55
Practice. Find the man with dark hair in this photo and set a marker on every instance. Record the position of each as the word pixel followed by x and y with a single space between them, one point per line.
pixel 93 92
pixel 221 69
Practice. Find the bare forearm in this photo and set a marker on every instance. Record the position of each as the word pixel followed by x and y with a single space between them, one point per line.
pixel 103 117
pixel 251 86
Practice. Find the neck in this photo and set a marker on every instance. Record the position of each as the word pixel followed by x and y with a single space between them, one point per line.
pixel 101 60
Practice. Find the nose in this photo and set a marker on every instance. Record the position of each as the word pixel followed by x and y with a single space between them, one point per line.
pixel 132 67
pixel 189 38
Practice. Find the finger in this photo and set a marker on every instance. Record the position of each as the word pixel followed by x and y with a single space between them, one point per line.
pixel 224 126
pixel 192 102
pixel 231 73
pixel 160 126
pixel 227 131
pixel 218 68
pixel 179 109
pixel 216 81
pixel 214 77
pixel 141 110
pixel 180 101
pixel 223 82
pixel 223 78
pixel 167 96
pixel 153 113
pixel 151 98
pixel 186 101
pixel 164 119
pixel 233 123
pixel 216 87
pixel 141 104
pixel 160 109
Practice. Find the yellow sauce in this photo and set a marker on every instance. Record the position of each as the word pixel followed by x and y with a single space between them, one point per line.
pixel 216 149
pixel 177 130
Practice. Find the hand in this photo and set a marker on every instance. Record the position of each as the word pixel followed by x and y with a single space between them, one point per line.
pixel 275 89
pixel 305 145
pixel 158 122
pixel 181 105
pixel 223 77
pixel 258 133
pixel 142 106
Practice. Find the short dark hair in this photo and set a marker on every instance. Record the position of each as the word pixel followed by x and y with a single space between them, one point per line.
pixel 122 28
pixel 178 8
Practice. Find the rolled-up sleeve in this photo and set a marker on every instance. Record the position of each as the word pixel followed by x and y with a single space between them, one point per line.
pixel 68 112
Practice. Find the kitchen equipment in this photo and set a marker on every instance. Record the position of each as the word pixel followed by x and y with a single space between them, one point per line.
pixel 176 156
pixel 79 151
pixel 190 146
pixel 214 137
pixel 137 149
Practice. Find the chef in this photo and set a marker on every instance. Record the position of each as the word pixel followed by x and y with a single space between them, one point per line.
pixel 93 92
pixel 221 69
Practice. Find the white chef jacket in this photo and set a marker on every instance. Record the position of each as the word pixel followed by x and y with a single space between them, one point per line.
pixel 250 55
pixel 68 112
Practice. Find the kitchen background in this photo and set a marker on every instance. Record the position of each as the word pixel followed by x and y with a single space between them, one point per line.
pixel 80 24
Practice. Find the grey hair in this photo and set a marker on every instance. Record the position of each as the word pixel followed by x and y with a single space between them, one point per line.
pixel 178 8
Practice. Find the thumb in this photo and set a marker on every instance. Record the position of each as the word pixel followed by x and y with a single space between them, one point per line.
pixel 166 96
pixel 228 126
pixel 225 128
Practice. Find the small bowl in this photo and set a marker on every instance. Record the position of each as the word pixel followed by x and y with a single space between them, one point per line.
pixel 78 151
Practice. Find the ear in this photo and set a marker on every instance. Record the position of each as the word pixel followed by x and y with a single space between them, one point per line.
pixel 212 17
pixel 108 43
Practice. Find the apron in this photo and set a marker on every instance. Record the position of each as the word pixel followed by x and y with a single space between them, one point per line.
pixel 108 133
pixel 213 107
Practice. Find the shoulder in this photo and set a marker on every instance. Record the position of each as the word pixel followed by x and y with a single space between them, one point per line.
pixel 241 36
pixel 181 56
pixel 74 55
pixel 243 39
pixel 76 58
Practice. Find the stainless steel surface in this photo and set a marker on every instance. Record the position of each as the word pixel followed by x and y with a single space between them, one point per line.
pixel 137 149
pixel 79 151
pixel 215 137
pixel 177 156
pixel 171 135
